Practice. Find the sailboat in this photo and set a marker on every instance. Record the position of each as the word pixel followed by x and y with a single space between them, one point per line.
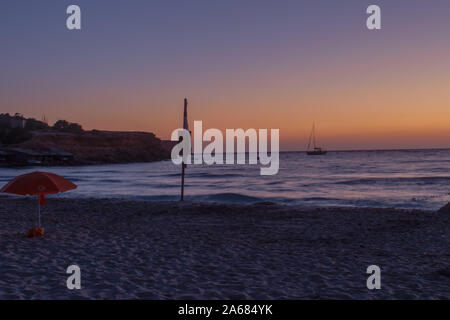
pixel 316 151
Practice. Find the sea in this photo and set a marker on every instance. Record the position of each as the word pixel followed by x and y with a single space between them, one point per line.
pixel 410 179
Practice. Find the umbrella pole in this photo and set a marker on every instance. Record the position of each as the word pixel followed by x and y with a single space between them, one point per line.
pixel 39 212
pixel 183 166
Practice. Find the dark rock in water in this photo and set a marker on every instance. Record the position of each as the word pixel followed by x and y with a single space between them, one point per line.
pixel 265 203
pixel 445 209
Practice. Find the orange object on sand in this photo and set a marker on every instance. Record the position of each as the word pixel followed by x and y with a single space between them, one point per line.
pixel 38 183
pixel 35 232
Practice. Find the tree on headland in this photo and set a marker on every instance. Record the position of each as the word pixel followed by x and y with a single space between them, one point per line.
pixel 13 131
pixel 36 125
pixel 65 126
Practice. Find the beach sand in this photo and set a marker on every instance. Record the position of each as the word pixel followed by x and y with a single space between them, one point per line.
pixel 172 250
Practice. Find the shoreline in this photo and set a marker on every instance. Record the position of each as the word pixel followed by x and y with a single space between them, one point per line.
pixel 173 199
pixel 261 202
pixel 192 250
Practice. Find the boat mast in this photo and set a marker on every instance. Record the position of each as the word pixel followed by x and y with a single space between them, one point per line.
pixel 312 137
pixel 314 134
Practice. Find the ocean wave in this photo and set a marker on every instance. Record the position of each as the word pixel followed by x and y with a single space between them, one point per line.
pixel 203 175
pixel 317 199
pixel 396 180
pixel 213 175
pixel 426 161
pixel 228 197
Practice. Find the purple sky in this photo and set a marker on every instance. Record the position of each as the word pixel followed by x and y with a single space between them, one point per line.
pixel 262 64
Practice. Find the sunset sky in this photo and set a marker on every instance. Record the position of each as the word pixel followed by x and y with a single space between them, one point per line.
pixel 241 63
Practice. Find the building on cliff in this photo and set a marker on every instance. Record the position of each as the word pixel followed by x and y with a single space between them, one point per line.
pixel 18 121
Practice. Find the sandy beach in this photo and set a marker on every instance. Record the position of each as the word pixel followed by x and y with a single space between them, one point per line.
pixel 172 250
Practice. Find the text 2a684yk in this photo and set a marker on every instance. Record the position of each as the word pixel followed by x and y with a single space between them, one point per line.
pixel 241 309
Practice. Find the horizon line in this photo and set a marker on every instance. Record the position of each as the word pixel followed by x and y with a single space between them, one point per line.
pixel 351 150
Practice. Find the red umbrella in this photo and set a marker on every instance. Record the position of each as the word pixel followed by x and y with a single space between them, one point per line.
pixel 38 183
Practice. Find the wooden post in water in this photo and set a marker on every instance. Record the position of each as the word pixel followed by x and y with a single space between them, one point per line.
pixel 183 165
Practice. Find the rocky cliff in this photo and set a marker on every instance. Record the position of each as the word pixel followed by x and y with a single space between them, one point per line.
pixel 99 147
